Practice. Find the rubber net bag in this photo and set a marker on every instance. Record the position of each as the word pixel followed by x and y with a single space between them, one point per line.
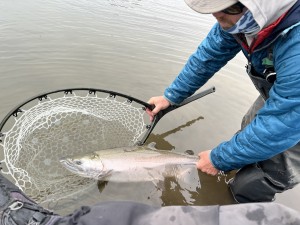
pixel 45 128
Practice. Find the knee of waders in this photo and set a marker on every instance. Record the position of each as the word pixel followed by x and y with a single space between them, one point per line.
pixel 251 184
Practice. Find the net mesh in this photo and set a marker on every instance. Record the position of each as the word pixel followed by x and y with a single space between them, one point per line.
pixel 63 126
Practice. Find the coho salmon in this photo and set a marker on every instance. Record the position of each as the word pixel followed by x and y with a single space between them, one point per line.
pixel 138 163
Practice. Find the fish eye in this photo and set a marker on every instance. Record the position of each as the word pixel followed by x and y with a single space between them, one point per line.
pixel 78 162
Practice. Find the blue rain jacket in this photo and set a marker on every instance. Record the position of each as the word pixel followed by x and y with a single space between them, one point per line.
pixel 276 127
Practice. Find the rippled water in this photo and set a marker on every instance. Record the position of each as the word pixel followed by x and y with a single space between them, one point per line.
pixel 134 47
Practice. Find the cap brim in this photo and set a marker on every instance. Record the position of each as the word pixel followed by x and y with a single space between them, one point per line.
pixel 209 6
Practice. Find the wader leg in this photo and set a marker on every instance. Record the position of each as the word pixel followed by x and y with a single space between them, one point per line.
pixel 249 116
pixel 261 181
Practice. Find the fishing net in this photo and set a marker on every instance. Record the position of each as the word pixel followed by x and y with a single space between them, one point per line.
pixel 36 134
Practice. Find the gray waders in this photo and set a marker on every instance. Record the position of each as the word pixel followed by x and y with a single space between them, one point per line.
pixel 260 182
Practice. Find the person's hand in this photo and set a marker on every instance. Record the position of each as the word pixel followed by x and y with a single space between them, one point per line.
pixel 160 103
pixel 205 165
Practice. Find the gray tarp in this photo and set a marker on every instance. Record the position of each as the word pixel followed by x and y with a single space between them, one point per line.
pixel 130 213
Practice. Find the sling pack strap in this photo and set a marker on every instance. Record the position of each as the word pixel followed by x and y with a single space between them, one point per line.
pixel 263 82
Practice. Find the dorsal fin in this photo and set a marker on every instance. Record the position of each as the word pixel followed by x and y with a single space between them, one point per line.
pixel 189 152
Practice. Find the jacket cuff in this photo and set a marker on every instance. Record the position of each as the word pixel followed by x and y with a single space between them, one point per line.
pixel 213 157
pixel 171 102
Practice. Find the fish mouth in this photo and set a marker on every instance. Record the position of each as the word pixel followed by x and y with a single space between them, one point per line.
pixel 70 165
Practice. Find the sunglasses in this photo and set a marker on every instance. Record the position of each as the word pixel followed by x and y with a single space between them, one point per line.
pixel 235 9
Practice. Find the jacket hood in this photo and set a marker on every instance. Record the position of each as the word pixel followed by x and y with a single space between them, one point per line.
pixel 266 12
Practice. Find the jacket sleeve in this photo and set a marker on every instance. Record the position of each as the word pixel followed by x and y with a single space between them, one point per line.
pixel 276 127
pixel 212 54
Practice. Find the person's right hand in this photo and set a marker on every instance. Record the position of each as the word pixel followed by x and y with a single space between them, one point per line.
pixel 160 103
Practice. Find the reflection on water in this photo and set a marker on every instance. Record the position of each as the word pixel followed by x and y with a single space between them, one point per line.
pixel 159 139
pixel 170 190
pixel 136 48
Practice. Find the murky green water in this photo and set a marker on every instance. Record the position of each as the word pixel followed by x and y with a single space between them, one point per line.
pixel 134 47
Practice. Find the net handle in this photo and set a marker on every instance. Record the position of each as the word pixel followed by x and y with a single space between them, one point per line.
pixel 161 113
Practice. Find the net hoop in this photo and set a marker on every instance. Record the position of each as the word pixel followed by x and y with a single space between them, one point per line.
pixel 37 132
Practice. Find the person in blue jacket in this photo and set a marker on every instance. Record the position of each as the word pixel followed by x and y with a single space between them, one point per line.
pixel 266 151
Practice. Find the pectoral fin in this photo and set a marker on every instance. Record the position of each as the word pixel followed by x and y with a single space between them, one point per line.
pixel 152 145
pixel 188 178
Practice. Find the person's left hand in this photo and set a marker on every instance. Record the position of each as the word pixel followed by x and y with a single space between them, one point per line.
pixel 205 165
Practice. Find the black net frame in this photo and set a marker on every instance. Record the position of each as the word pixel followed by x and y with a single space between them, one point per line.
pixel 34 171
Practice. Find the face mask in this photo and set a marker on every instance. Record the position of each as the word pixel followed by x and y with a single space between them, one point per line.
pixel 245 25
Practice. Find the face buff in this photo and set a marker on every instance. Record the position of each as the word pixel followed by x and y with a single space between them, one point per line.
pixel 246 25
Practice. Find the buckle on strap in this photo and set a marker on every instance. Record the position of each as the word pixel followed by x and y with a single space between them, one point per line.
pixel 37 217
pixel 248 68
pixel 16 205
pixel 6 214
pixel 270 76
